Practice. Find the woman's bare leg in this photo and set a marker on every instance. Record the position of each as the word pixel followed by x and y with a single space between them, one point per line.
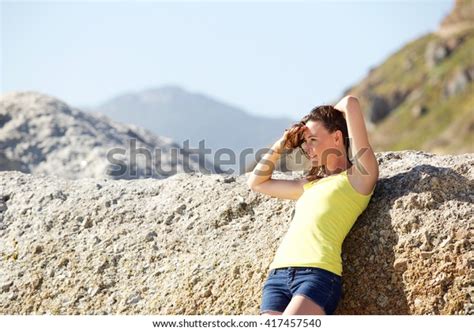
pixel 269 313
pixel 301 305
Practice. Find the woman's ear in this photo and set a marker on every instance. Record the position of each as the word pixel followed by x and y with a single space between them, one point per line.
pixel 338 137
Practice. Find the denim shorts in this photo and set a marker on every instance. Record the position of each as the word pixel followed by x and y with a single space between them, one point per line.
pixel 321 286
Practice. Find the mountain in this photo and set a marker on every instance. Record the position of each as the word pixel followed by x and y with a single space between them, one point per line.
pixel 40 134
pixel 422 97
pixel 182 115
pixel 195 244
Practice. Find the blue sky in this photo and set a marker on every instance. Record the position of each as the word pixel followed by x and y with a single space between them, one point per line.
pixel 268 58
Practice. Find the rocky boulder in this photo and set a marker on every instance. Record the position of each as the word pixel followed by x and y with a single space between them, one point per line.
pixel 202 244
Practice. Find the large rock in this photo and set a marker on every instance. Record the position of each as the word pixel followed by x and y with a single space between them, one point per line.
pixel 381 106
pixel 458 82
pixel 202 244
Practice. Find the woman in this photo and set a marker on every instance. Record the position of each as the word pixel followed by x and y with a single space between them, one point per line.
pixel 305 274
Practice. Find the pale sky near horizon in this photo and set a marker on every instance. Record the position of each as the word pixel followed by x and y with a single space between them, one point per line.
pixel 267 58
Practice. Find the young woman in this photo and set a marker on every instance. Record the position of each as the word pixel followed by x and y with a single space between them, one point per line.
pixel 305 274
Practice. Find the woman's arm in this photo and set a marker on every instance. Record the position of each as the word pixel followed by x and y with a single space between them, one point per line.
pixel 260 179
pixel 363 156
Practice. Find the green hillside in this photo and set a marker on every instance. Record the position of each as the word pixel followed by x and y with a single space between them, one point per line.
pixel 422 97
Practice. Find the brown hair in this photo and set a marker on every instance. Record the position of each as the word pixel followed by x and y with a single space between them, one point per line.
pixel 332 120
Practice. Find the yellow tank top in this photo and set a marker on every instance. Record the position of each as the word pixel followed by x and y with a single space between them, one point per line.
pixel 324 215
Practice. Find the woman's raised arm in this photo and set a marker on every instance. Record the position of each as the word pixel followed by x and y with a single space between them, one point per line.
pixel 366 166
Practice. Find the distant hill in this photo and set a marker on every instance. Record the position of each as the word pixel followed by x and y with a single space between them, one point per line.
pixel 182 115
pixel 42 135
pixel 422 97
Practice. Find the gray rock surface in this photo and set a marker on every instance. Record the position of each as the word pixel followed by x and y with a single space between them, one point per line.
pixel 202 244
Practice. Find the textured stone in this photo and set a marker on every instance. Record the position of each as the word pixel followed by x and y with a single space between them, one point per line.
pixel 113 268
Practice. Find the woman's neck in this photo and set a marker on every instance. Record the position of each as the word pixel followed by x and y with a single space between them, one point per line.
pixel 338 167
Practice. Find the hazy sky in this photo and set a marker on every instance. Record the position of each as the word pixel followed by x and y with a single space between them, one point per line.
pixel 269 58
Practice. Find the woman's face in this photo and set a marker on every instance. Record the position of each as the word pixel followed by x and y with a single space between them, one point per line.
pixel 319 143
